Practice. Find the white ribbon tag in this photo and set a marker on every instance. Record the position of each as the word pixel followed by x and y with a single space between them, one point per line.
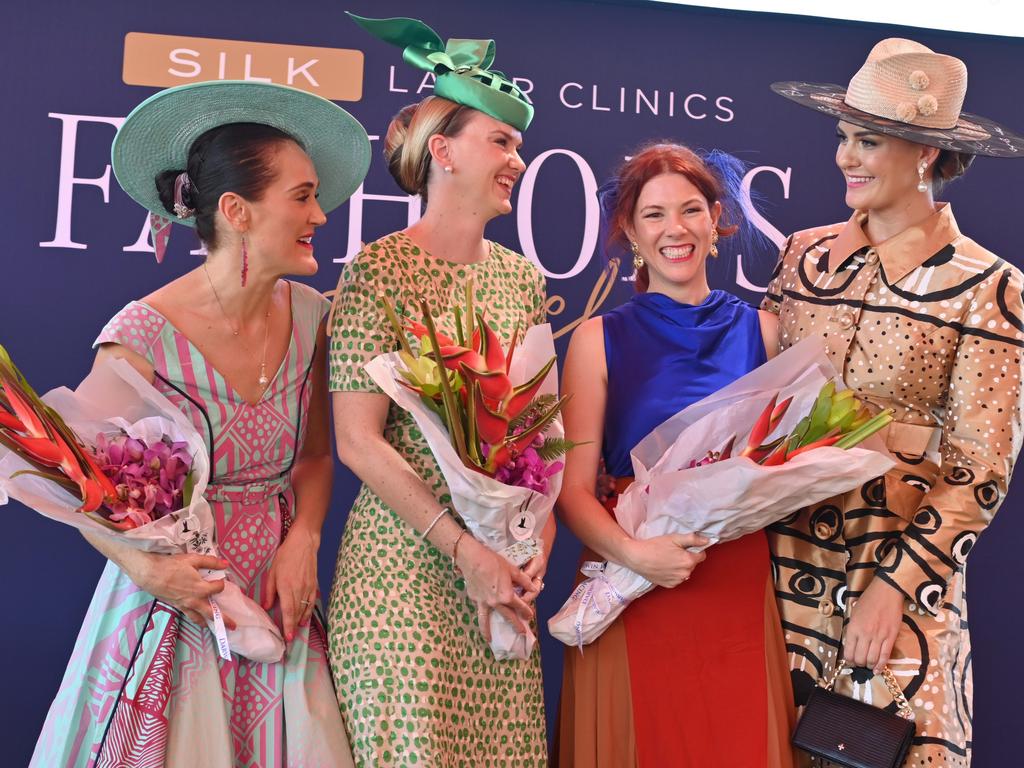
pixel 220 632
pixel 589 593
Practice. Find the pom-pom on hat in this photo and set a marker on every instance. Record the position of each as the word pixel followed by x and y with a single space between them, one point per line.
pixel 907 90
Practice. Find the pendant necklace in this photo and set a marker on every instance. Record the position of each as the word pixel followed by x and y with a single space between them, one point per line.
pixel 263 379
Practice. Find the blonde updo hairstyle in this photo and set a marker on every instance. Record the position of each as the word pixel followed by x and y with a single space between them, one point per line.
pixel 406 147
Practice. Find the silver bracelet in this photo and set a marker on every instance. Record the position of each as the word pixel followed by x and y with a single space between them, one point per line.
pixel 444 510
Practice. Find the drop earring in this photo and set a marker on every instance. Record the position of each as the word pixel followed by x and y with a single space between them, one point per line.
pixel 921 185
pixel 245 262
pixel 638 260
pixel 713 250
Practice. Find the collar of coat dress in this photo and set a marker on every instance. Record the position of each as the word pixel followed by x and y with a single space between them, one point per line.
pixel 901 254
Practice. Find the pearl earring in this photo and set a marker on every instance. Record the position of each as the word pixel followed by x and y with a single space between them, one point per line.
pixel 447 169
pixel 921 185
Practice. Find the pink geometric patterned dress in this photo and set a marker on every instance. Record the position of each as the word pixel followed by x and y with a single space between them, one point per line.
pixel 145 687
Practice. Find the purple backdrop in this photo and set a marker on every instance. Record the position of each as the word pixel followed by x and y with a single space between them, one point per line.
pixel 604 77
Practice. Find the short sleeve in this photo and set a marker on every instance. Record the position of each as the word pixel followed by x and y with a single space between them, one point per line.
pixel 359 328
pixel 539 315
pixel 136 327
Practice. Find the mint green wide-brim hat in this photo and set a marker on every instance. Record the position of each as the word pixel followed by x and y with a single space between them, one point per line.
pixel 157 135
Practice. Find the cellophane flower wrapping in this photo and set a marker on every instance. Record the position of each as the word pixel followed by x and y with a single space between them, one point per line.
pixel 115 398
pixel 498 515
pixel 723 500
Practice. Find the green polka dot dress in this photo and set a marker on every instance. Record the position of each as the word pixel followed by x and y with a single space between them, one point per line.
pixel 417 683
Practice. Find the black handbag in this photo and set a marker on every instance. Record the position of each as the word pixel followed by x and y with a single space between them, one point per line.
pixel 851 733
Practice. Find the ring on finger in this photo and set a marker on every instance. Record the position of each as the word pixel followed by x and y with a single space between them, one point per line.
pixel 304 602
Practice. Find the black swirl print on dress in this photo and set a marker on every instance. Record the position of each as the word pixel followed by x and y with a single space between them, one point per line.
pixel 931 325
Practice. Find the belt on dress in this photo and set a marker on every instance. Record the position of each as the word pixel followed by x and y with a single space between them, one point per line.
pixel 248 493
pixel 911 439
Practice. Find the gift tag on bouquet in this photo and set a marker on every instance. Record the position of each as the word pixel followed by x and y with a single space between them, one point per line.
pixel 522 552
pixel 522 524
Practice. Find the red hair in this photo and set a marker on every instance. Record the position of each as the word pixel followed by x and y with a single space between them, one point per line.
pixel 654 160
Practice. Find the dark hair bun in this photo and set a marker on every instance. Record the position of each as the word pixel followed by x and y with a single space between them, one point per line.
pixel 237 157
pixel 165 181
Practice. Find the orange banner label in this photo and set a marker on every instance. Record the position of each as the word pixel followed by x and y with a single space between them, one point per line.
pixel 166 60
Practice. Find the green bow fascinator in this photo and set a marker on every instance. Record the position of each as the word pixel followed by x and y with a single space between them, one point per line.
pixel 460 66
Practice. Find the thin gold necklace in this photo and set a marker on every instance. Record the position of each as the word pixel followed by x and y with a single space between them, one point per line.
pixel 263 379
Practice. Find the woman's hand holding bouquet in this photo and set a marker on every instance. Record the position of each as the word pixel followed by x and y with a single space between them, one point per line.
pixel 491 419
pixel 120 462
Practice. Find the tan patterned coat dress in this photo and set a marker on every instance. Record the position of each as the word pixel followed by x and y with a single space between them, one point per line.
pixel 930 324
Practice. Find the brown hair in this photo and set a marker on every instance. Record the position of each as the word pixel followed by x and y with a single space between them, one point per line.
pixel 650 161
pixel 949 166
pixel 405 145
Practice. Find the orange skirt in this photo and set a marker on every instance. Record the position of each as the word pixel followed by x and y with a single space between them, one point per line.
pixel 690 677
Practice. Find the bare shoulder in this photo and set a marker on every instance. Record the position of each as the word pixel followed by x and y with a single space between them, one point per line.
pixel 588 336
pixel 769 331
pixel 586 347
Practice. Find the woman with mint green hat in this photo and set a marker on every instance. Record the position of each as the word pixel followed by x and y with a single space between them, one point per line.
pixel 242 351
pixel 416 678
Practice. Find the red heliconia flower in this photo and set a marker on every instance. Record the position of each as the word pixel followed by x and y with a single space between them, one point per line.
pixel 36 433
pixel 480 413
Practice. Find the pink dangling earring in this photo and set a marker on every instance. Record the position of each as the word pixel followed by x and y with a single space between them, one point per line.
pixel 245 262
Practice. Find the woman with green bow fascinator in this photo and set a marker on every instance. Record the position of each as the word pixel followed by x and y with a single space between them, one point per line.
pixel 409 613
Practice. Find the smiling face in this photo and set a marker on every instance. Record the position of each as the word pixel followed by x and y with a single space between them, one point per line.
pixel 881 171
pixel 485 163
pixel 672 225
pixel 282 221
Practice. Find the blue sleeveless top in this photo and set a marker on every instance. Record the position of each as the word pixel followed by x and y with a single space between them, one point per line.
pixel 663 356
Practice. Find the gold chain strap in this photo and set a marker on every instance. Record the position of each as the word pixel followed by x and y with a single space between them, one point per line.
pixel 890 683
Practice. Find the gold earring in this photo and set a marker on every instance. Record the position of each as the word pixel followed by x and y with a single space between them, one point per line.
pixel 713 251
pixel 638 260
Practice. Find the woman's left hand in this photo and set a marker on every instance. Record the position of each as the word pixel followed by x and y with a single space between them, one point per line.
pixel 293 579
pixel 536 569
pixel 875 621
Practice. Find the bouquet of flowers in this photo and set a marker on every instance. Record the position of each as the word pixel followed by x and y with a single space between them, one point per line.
pixel 687 479
pixel 492 421
pixel 140 477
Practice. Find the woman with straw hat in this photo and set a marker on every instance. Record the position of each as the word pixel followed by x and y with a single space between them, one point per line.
pixel 253 167
pixel 921 319
pixel 413 590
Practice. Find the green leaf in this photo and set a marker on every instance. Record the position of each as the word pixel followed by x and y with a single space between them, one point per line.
pixel 532 412
pixel 396 326
pixel 554 447
pixel 188 488
pixel 53 476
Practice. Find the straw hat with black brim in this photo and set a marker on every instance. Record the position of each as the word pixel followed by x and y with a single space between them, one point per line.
pixel 157 135
pixel 907 90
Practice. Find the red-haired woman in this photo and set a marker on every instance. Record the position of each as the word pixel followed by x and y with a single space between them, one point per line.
pixel 694 673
